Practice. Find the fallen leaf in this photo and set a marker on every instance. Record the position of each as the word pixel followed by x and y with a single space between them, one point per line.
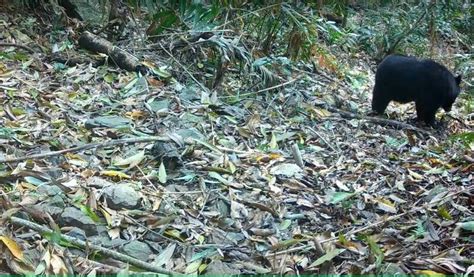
pixel 327 257
pixel 13 247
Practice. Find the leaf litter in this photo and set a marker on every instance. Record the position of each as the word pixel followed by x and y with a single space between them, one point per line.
pixel 234 199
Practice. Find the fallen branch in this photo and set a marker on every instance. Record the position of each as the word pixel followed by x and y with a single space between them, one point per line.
pixel 100 267
pixel 121 58
pixel 84 147
pixel 378 120
pixel 24 47
pixel 85 245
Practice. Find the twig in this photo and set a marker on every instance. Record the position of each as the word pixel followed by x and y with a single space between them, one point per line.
pixel 102 268
pixel 374 224
pixel 24 47
pixel 322 138
pixel 279 85
pixel 84 147
pixel 107 252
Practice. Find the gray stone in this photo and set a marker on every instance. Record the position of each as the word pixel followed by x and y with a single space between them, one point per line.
pixel 138 250
pixel 77 233
pixel 122 196
pixel 49 190
pixel 76 218
pixel 52 210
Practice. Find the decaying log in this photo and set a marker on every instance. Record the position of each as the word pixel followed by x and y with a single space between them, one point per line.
pixel 119 57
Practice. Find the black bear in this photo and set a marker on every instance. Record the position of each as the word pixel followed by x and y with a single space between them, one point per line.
pixel 405 79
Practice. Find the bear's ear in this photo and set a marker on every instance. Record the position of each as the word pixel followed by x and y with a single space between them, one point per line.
pixel 458 79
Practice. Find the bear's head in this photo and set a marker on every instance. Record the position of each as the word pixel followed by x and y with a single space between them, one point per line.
pixel 454 90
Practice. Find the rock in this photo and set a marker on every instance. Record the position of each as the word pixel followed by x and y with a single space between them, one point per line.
pixel 166 152
pixel 138 250
pixel 54 207
pixel 49 190
pixel 286 169
pixel 122 196
pixel 108 121
pixel 77 233
pixel 76 218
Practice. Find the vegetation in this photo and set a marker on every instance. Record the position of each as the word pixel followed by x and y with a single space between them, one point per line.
pixel 230 137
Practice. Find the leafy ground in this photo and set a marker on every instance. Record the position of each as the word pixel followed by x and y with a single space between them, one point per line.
pixel 215 187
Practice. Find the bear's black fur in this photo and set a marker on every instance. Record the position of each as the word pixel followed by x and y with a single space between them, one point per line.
pixel 405 79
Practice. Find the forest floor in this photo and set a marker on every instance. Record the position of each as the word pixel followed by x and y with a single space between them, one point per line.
pixel 267 181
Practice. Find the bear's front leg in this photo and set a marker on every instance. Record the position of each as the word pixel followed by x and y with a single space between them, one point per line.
pixel 426 114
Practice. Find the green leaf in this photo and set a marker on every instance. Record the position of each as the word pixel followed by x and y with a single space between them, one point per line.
pixel 162 72
pixel 109 78
pixel 110 121
pixel 284 224
pixel 337 197
pixel 203 254
pixel 211 147
pixel 131 161
pixel 376 250
pixel 327 257
pixel 444 213
pixel 468 225
pixel 165 255
pixel 217 176
pixel 467 138
pixel 34 181
pixel 273 142
pixel 89 212
pixel 162 174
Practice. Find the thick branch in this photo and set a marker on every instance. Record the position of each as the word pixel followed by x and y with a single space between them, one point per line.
pixel 107 252
pixel 84 147
pixel 24 47
pixel 120 57
pixel 378 120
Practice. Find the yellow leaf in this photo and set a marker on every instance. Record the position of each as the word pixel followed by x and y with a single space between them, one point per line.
pixel 58 266
pixel 201 239
pixel 13 247
pixel 74 156
pixel 174 234
pixel 232 168
pixel 135 114
pixel 267 158
pixel 107 216
pixel 113 173
pixel 415 175
pixel 321 113
pixel 429 273
pixel 193 267
pixel 202 267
